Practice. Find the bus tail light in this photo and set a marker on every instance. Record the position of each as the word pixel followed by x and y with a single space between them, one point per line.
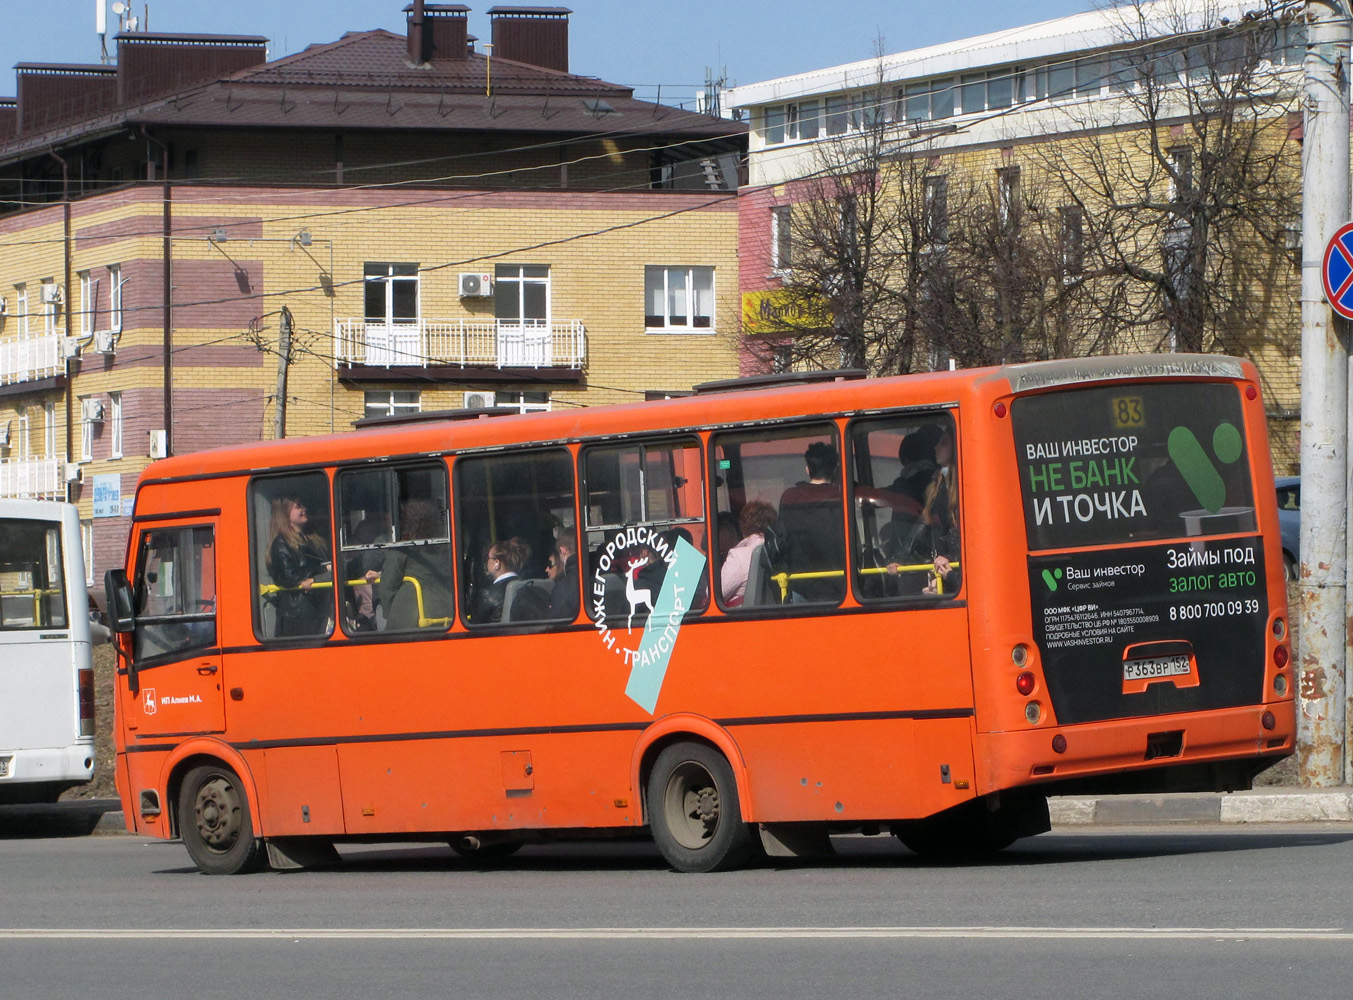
pixel 1280 685
pixel 1268 721
pixel 86 703
pixel 1059 744
pixel 1024 683
pixel 1280 656
pixel 1279 629
pixel 1033 713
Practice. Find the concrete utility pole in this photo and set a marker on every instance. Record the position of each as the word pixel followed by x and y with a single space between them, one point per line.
pixel 1322 738
pixel 279 418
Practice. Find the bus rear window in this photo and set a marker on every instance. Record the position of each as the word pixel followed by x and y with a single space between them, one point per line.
pixel 1118 464
pixel 32 594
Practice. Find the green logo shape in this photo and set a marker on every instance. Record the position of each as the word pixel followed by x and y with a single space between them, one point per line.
pixel 1191 460
pixel 1050 577
pixel 1227 444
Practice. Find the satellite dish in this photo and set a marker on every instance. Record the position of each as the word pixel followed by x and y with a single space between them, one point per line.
pixel 119 8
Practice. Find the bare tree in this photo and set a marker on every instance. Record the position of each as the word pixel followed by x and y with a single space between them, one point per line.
pixel 1186 174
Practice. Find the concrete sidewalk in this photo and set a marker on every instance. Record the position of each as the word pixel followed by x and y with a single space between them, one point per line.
pixel 1272 804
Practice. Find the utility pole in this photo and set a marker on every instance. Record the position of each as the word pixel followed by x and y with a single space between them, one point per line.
pixel 1322 739
pixel 279 413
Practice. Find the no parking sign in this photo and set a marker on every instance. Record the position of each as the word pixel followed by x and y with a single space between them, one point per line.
pixel 1337 271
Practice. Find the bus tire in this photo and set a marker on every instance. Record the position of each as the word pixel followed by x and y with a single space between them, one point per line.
pixel 215 824
pixel 694 813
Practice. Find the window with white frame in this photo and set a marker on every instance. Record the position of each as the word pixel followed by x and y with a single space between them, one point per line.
pixel 391 293
pixel 51 306
pixel 392 402
pixel 1181 172
pixel 781 253
pixel 24 453
pixel 521 294
pixel 838 114
pixel 86 432
pixel 49 429
pixel 1072 221
pixel 928 100
pixel 1007 195
pixel 21 308
pixel 115 425
pixel 87 546
pixel 115 297
pixel 679 298
pixel 935 208
pixel 522 402
pixel 990 90
pixel 87 303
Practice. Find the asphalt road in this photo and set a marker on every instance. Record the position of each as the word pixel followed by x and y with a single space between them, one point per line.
pixel 1207 911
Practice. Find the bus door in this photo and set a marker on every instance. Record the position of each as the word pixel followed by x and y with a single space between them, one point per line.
pixel 173 679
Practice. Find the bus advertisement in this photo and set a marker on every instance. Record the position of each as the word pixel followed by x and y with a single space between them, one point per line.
pixel 737 622
pixel 46 671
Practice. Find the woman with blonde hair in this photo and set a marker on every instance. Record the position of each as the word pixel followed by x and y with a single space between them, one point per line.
pixel 298 557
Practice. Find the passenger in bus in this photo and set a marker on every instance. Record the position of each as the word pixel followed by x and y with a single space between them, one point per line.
pixel 502 565
pixel 397 593
pixel 562 570
pixel 298 557
pixel 753 520
pixel 366 566
pixel 812 525
pixel 933 538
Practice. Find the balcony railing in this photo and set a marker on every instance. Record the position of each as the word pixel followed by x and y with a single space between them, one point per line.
pixel 469 343
pixel 28 356
pixel 32 478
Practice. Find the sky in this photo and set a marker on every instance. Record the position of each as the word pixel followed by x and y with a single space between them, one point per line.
pixel 640 43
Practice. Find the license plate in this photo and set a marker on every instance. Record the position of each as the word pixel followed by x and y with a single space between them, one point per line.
pixel 1156 666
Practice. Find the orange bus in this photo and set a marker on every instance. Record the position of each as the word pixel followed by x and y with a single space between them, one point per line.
pixel 739 621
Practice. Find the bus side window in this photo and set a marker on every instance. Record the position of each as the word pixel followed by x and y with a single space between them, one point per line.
pixel 512 510
pixel 32 582
pixel 905 506
pixel 780 519
pixel 395 549
pixel 293 556
pixel 644 500
pixel 175 591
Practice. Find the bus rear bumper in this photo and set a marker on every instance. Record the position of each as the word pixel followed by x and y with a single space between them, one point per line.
pixel 1121 751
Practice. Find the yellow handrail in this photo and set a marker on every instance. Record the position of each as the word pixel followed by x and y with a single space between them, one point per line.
pixel 37 595
pixel 264 589
pixel 783 578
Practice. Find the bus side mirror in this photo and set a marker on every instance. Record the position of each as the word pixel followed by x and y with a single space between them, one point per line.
pixel 118 591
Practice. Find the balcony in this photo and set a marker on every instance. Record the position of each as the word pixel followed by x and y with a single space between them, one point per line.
pixel 475 344
pixel 27 357
pixel 32 479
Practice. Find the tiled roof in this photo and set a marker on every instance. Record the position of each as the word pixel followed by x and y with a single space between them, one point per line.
pixel 364 81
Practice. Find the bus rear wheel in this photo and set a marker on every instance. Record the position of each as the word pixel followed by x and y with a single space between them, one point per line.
pixel 215 824
pixel 694 812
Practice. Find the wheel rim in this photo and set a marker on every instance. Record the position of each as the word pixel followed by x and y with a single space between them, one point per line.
pixel 692 805
pixel 218 814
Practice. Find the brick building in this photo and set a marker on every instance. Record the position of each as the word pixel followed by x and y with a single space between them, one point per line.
pixel 378 224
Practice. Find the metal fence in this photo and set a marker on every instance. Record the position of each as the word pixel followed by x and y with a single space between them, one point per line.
pixel 471 343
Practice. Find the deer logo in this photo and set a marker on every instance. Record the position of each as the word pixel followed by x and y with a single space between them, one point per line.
pixel 633 594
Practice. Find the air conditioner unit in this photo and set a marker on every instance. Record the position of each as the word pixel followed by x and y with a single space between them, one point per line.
pixel 91 410
pixel 4 435
pixel 159 444
pixel 70 347
pixel 52 293
pixel 74 473
pixel 476 286
pixel 105 342
pixel 479 400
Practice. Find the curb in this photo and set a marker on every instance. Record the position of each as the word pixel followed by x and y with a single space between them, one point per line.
pixel 1256 806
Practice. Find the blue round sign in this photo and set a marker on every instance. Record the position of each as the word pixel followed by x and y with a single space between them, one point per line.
pixel 1337 271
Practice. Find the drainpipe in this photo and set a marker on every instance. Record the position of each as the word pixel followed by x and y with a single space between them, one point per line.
pixel 168 342
pixel 66 251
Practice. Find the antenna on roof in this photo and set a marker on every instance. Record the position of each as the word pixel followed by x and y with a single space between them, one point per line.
pixel 101 28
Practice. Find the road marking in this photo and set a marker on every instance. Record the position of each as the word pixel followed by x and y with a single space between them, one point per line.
pixel 1336 934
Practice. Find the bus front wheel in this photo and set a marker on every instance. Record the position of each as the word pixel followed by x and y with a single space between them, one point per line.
pixel 214 822
pixel 694 812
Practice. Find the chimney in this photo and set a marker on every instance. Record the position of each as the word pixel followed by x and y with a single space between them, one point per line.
pixel 436 31
pixel 535 35
pixel 9 118
pixel 151 63
pixel 50 93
